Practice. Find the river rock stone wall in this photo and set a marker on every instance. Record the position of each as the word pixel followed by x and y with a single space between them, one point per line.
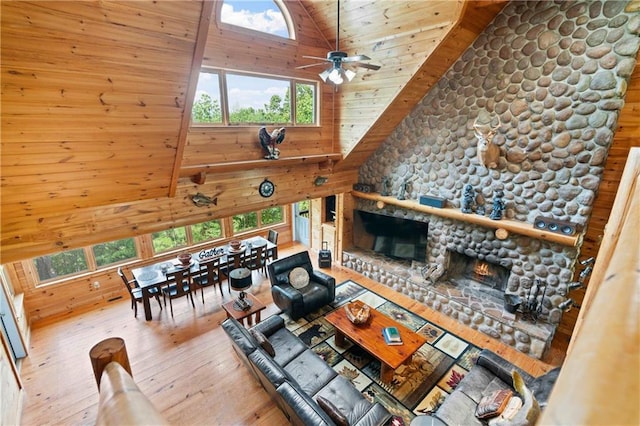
pixel 551 77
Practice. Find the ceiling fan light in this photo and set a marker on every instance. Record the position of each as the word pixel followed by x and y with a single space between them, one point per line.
pixel 336 76
pixel 349 74
pixel 325 74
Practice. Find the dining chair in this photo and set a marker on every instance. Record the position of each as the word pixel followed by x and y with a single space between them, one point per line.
pixel 178 285
pixel 272 237
pixel 210 274
pixel 135 292
pixel 257 259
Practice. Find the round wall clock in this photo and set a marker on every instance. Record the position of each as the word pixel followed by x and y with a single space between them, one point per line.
pixel 267 188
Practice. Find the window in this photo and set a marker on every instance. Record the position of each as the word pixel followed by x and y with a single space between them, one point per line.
pixel 60 264
pixel 114 252
pixel 305 103
pixel 263 16
pixel 245 222
pixel 206 106
pixel 206 231
pixel 252 99
pixel 258 100
pixel 272 216
pixel 169 239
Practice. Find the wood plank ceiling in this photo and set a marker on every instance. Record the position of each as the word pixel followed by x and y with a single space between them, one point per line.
pixel 96 99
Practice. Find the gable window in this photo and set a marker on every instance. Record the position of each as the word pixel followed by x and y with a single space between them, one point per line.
pixel 264 15
pixel 251 99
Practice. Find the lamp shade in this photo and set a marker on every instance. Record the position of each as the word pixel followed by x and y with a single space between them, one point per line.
pixel 240 279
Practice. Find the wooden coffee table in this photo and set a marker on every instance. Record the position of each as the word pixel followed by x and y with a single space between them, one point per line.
pixel 251 315
pixel 369 337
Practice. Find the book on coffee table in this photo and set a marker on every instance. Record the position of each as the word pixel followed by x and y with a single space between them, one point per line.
pixel 391 336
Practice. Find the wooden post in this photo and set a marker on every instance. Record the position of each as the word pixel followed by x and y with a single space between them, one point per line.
pixel 112 349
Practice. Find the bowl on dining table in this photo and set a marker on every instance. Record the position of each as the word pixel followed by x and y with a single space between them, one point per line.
pixel 184 259
pixel 235 244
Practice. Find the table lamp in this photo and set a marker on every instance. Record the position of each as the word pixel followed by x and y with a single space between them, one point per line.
pixel 240 280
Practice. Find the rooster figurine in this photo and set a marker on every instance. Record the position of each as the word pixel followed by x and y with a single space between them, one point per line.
pixel 269 142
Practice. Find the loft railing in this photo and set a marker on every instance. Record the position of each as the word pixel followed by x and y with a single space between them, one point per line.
pixel 121 401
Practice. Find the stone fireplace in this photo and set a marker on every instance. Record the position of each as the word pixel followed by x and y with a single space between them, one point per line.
pixel 475 276
pixel 549 78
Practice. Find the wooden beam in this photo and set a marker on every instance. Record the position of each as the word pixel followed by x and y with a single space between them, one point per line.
pixel 196 63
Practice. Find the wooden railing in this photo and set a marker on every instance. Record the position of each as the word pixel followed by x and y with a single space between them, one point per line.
pixel 599 381
pixel 121 401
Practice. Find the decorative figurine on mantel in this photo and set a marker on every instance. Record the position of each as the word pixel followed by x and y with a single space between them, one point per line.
pixel 269 142
pixel 480 209
pixel 385 186
pixel 498 206
pixel 404 188
pixel 468 197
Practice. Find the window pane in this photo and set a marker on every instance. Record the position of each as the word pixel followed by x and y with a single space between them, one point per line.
pixel 206 231
pixel 206 105
pixel 264 16
pixel 271 215
pixel 114 251
pixel 256 100
pixel 245 222
pixel 305 102
pixel 61 264
pixel 169 239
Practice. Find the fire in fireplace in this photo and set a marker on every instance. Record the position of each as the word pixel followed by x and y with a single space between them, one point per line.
pixel 477 275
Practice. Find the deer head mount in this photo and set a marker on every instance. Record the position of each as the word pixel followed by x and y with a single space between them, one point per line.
pixel 488 152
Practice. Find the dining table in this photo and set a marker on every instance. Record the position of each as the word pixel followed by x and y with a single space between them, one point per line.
pixel 155 275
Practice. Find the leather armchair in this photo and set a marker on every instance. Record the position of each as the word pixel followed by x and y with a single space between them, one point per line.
pixel 320 291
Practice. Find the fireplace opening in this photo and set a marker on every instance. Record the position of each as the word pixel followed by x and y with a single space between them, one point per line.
pixel 476 275
pixel 394 237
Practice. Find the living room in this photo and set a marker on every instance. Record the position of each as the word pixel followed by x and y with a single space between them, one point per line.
pixel 60 194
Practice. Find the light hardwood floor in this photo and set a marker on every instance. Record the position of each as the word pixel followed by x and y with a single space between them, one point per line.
pixel 185 364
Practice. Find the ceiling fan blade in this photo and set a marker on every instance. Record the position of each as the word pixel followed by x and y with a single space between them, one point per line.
pixel 301 67
pixel 317 58
pixel 367 66
pixel 357 58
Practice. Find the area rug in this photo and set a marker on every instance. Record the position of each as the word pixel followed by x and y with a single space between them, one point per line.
pixel 417 388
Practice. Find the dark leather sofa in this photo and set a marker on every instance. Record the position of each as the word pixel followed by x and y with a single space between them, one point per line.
pixel 320 291
pixel 490 373
pixel 296 377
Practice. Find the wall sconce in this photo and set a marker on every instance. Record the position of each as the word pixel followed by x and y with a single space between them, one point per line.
pixel 320 180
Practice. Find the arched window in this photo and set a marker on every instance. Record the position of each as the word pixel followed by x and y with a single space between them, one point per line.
pixel 267 16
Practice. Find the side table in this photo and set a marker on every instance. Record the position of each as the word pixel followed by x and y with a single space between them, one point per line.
pixel 251 315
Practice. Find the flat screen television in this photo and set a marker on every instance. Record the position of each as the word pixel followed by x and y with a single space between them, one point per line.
pixel 394 237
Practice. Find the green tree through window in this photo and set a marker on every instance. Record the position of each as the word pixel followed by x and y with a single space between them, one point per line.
pixel 60 264
pixel 114 251
pixel 206 231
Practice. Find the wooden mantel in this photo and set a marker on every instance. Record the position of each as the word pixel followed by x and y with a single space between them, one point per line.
pixel 198 172
pixel 501 226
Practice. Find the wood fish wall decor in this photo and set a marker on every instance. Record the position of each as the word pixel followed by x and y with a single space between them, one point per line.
pixel 201 200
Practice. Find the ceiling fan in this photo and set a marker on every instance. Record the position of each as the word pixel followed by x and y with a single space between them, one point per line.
pixel 336 73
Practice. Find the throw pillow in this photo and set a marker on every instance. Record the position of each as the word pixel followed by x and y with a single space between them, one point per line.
pixel 298 278
pixel 332 411
pixel 492 405
pixel 263 342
